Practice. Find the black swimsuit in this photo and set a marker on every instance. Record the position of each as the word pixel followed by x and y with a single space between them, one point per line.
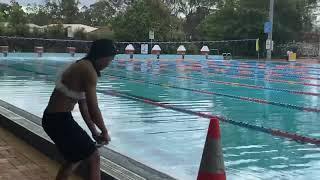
pixel 71 140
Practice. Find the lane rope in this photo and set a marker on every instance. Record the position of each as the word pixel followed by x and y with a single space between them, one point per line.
pixel 252 78
pixel 282 70
pixel 256 100
pixel 192 66
pixel 284 65
pixel 264 74
pixel 275 132
pixel 225 83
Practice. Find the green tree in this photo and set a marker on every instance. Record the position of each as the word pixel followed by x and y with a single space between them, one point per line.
pixel 2 19
pixel 38 15
pixel 17 20
pixel 194 12
pixel 62 11
pixel 98 14
pixel 16 15
pixel 53 9
pixel 293 17
pixel 144 15
pixel 193 19
pixel 80 34
pixel 2 29
pixel 190 6
pixel 4 10
pixel 237 19
pixel 21 30
pixel 55 31
pixel 69 11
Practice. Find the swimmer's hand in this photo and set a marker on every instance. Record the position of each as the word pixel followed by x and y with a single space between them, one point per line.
pixel 101 139
pixel 105 136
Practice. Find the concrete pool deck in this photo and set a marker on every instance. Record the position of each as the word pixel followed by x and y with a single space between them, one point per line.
pixel 36 165
pixel 18 160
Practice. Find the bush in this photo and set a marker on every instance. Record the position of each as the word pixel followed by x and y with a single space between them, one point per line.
pixel 192 49
pixel 56 32
pixel 80 34
pixel 37 33
pixel 20 30
pixel 2 29
pixel 8 31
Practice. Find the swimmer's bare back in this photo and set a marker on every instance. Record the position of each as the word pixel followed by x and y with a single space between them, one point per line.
pixel 76 77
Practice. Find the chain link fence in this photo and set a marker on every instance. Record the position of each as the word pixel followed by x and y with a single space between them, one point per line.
pixel 303 49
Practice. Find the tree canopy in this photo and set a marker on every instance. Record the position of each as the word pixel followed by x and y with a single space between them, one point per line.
pixel 172 20
pixel 238 19
pixel 143 16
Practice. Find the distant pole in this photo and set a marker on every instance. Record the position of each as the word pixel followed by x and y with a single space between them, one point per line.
pixel 151 45
pixel 151 37
pixel 319 41
pixel 258 48
pixel 271 10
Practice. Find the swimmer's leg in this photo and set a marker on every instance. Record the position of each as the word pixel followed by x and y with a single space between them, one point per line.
pixel 66 170
pixel 94 166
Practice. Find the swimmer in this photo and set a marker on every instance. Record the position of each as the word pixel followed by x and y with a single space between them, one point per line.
pixel 77 85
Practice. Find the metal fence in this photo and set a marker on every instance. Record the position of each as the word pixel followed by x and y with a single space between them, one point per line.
pixel 303 49
pixel 240 48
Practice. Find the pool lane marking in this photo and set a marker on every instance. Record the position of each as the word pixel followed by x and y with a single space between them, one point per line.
pixel 192 66
pixel 275 132
pixel 227 83
pixel 264 65
pixel 248 77
pixel 274 69
pixel 256 100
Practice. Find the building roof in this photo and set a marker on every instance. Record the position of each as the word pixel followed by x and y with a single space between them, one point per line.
pixel 33 25
pixel 73 26
pixel 77 26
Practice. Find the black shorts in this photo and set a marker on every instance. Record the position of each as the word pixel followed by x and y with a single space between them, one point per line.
pixel 71 140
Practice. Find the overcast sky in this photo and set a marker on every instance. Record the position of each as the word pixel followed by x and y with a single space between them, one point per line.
pixel 25 2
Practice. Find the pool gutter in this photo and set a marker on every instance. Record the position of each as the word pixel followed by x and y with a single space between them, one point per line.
pixel 113 164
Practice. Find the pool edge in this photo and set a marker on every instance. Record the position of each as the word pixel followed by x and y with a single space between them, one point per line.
pixel 113 164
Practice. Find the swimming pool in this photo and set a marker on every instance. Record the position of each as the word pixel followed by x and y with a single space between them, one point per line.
pixel 281 96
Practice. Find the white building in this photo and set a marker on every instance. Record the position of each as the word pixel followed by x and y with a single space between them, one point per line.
pixel 72 28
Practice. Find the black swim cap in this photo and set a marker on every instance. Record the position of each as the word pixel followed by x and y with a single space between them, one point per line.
pixel 102 48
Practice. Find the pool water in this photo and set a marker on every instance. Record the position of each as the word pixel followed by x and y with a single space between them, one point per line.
pixel 171 141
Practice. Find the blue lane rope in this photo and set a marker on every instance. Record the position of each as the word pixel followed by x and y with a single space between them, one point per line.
pixel 252 77
pixel 275 132
pixel 225 83
pixel 256 100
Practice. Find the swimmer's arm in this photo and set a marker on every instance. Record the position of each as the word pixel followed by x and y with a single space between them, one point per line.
pixel 86 116
pixel 92 101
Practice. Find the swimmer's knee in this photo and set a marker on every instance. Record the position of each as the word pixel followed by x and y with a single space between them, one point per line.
pixel 94 156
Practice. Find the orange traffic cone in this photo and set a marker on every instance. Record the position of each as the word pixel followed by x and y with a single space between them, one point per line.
pixel 212 164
